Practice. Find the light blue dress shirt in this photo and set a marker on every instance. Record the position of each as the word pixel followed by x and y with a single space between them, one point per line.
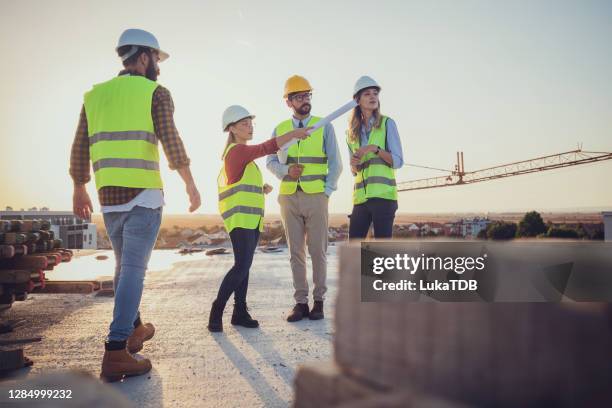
pixel 330 147
pixel 394 144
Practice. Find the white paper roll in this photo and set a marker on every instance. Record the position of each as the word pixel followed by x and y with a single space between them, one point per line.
pixel 283 151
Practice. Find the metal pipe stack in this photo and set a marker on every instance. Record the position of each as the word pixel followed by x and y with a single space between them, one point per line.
pixel 28 248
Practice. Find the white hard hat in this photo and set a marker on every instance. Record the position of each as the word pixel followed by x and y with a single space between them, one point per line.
pixel 137 37
pixel 363 83
pixel 233 114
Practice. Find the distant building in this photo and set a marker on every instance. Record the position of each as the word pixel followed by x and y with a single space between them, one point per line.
pixel 470 228
pixel 607 216
pixel 413 230
pixel 450 229
pixel 74 232
pixel 186 233
pixel 199 239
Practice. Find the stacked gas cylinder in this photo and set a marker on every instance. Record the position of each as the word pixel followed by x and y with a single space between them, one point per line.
pixel 28 248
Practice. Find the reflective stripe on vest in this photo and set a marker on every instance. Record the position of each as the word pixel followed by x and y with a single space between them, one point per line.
pixel 374 160
pixel 376 179
pixel 238 188
pixel 242 209
pixel 241 204
pixel 308 152
pixel 129 135
pixel 305 178
pixel 303 160
pixel 122 141
pixel 126 164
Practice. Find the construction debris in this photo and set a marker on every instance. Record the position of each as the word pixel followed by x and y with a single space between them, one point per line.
pixel 217 251
pixel 271 249
pixel 107 288
pixel 20 341
pixel 10 325
pixel 190 250
pixel 28 248
pixel 13 360
pixel 80 287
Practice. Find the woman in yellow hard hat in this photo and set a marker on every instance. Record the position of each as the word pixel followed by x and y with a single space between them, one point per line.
pixel 376 151
pixel 241 204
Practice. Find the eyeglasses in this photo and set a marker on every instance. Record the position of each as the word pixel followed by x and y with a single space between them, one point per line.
pixel 302 96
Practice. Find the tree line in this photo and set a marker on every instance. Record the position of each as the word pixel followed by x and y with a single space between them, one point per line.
pixel 532 225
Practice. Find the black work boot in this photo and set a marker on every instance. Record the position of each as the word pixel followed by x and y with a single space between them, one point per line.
pixel 317 310
pixel 215 320
pixel 241 316
pixel 299 312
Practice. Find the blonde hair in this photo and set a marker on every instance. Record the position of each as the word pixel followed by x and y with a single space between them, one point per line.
pixel 357 119
pixel 230 139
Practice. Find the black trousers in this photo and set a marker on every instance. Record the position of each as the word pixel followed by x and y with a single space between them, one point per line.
pixel 236 280
pixel 377 211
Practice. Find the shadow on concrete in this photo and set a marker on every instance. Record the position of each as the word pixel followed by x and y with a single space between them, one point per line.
pixel 144 390
pixel 258 382
pixel 263 344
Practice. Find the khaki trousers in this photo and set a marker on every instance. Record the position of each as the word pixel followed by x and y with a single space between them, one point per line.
pixel 305 219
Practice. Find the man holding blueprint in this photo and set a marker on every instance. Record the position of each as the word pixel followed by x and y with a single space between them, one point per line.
pixel 309 174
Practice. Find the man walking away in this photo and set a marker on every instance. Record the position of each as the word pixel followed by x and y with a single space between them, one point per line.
pixel 121 123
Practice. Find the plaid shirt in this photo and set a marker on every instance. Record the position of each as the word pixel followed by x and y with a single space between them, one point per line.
pixel 162 111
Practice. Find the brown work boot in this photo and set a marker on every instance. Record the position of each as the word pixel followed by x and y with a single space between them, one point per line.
pixel 300 311
pixel 117 364
pixel 140 334
pixel 316 313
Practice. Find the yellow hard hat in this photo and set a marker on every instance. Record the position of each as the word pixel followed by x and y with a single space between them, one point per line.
pixel 296 83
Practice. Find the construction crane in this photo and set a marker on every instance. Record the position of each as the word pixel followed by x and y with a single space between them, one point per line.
pixel 459 176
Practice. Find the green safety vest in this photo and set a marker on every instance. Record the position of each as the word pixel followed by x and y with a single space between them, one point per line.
pixel 241 204
pixel 122 141
pixel 311 154
pixel 377 177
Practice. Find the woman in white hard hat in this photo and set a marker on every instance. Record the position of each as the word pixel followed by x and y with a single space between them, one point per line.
pixel 376 151
pixel 241 204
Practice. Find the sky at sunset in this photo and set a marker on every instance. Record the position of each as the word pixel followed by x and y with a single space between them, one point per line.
pixel 501 81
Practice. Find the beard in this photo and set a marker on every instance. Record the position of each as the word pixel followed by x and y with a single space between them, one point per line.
pixel 151 72
pixel 304 109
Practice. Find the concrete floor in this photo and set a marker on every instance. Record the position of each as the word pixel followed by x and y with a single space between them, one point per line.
pixel 191 367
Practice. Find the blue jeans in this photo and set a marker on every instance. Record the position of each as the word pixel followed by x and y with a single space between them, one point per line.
pixel 132 235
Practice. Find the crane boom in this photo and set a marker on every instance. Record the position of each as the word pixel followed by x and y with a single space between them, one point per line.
pixel 459 176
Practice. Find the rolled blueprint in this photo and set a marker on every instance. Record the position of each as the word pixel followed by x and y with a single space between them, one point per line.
pixel 282 153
